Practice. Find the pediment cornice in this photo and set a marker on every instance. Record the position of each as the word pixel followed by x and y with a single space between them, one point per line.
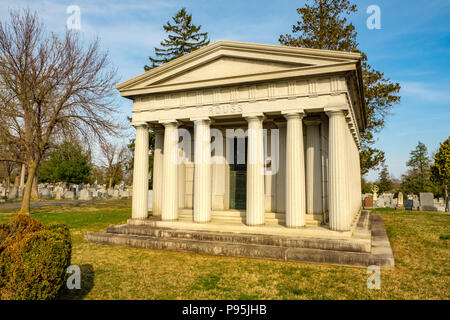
pixel 251 62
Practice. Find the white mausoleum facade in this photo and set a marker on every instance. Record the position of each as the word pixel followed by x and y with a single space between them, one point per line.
pixel 293 114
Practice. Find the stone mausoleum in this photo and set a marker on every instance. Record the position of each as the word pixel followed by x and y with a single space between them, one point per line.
pixel 251 140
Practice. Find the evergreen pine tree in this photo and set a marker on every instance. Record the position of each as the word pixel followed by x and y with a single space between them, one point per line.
pixel 184 37
pixel 323 25
pixel 440 170
pixel 384 180
pixel 68 163
pixel 417 178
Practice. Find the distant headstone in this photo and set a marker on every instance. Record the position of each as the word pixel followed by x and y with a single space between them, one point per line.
pixel 124 194
pixel 375 190
pixel 12 195
pixel 45 193
pixel 393 203
pixel 102 193
pixel 115 194
pixel 416 204
pixel 400 204
pixel 59 191
pixel 85 195
pixel 427 201
pixel 21 189
pixel 69 195
pixel 385 200
pixel 408 204
pixel 368 202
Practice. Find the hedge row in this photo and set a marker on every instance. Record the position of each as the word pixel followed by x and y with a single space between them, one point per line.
pixel 33 258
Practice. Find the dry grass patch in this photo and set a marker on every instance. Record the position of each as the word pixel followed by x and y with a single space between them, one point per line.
pixel 422 265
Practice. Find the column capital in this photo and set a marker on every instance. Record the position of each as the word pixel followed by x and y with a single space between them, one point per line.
pixel 332 111
pixel 253 116
pixel 169 123
pixel 206 120
pixel 138 124
pixel 293 112
pixel 294 115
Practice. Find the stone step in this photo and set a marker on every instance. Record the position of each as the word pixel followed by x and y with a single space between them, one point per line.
pixel 239 219
pixel 354 245
pixel 242 214
pixel 242 250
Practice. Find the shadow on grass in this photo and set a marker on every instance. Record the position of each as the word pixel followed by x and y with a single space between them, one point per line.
pixel 87 283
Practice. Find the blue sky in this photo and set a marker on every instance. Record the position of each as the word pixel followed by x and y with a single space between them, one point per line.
pixel 412 48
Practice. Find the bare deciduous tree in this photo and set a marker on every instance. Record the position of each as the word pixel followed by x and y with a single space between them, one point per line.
pixel 116 157
pixel 51 89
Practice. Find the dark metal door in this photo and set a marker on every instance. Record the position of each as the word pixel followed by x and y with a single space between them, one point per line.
pixel 238 178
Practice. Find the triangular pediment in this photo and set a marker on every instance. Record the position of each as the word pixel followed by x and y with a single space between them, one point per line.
pixel 225 67
pixel 227 62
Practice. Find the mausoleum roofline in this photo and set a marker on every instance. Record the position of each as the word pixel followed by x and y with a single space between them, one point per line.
pixel 236 64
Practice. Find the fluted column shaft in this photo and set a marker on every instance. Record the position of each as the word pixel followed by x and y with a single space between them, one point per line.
pixel 358 181
pixel 202 171
pixel 169 206
pixel 139 207
pixel 339 215
pixel 255 172
pixel 295 172
pixel 158 172
pixel 313 168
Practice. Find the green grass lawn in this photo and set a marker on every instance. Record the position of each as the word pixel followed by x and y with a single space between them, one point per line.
pixel 419 241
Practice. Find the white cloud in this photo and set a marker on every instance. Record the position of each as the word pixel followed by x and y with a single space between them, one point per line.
pixel 425 92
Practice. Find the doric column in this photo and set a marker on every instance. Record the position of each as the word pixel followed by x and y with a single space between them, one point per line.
pixel 169 206
pixel 338 207
pixel 140 173
pixel 351 170
pixel 158 171
pixel 255 171
pixel 313 167
pixel 295 172
pixel 358 182
pixel 202 170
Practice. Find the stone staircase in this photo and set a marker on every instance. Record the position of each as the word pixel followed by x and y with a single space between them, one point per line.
pixel 238 217
pixel 353 251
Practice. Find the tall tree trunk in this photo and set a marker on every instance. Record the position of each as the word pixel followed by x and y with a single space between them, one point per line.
pixel 34 188
pixel 22 175
pixel 8 182
pixel 447 208
pixel 25 209
pixel 16 181
pixel 110 183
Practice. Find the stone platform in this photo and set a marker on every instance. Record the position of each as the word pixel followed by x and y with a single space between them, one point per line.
pixel 367 243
